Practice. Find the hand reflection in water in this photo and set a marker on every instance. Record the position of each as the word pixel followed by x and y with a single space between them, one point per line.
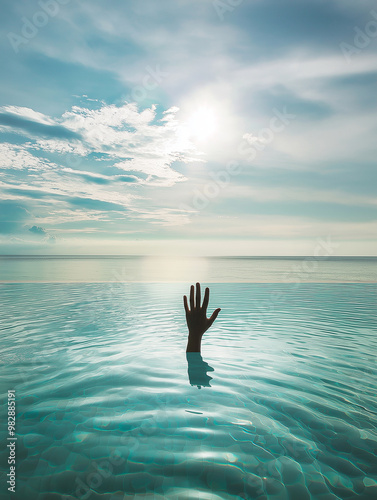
pixel 197 370
pixel 198 323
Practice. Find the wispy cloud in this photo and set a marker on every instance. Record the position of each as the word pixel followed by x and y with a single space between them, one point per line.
pixel 78 153
pixel 131 148
pixel 137 138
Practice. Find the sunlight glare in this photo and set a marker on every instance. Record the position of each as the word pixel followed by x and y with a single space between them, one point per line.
pixel 202 123
pixel 174 268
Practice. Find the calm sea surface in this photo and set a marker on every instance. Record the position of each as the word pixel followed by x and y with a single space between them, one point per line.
pixel 187 269
pixel 281 404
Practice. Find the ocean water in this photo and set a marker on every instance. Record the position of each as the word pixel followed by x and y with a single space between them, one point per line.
pixel 290 270
pixel 281 403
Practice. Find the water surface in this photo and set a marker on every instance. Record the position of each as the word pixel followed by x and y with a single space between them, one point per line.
pixel 88 269
pixel 281 405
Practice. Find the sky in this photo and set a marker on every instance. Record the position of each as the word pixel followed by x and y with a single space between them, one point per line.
pixel 198 127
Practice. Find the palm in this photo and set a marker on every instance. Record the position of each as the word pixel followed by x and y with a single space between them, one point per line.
pixel 196 315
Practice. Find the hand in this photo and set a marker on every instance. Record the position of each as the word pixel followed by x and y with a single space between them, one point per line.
pixel 196 317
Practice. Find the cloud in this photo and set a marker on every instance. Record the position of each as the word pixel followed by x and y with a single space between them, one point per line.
pixel 17 157
pixel 254 140
pixel 104 162
pixel 103 179
pixel 118 138
pixel 278 227
pixel 12 217
pixel 167 217
pixel 59 187
pixel 35 128
pixel 297 194
pixel 95 204
pixel 113 138
pixel 66 216
pixel 38 230
pixel 129 138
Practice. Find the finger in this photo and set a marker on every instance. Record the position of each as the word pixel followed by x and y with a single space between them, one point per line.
pixel 198 298
pixel 192 297
pixel 214 316
pixel 206 299
pixel 185 304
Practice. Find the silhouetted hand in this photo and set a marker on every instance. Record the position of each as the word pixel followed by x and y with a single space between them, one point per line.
pixel 196 317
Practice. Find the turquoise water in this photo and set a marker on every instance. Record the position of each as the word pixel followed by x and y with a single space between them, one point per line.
pixel 281 404
pixel 290 270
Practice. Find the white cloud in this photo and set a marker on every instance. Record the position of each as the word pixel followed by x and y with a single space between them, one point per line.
pixel 58 146
pixel 278 227
pixel 297 194
pixel 28 114
pixel 253 139
pixel 168 217
pixel 62 187
pixel 202 62
pixel 63 216
pixel 130 140
pixel 133 139
pixel 13 156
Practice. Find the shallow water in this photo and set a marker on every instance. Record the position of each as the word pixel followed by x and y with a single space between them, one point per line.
pixel 282 404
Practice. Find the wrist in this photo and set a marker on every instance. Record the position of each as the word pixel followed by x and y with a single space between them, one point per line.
pixel 193 343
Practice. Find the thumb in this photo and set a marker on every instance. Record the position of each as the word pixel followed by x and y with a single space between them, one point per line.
pixel 214 316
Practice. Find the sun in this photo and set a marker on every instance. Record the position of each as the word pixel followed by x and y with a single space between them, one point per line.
pixel 202 124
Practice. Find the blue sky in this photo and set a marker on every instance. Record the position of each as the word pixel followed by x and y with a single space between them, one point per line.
pixel 190 127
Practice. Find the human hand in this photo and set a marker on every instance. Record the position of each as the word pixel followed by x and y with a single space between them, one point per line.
pixel 196 317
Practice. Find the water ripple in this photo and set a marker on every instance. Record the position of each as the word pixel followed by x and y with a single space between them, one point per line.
pixel 287 405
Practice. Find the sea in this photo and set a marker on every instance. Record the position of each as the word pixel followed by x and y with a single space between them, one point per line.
pixel 281 403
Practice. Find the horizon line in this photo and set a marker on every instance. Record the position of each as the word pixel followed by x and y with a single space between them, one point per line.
pixel 121 256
